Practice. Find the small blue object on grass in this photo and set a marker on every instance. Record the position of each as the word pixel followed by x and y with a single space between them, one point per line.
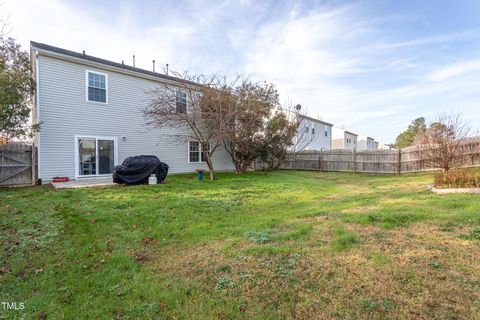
pixel 200 175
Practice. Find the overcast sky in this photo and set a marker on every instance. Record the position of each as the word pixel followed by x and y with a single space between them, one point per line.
pixel 371 66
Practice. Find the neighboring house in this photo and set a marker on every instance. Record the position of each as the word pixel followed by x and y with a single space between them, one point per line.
pixel 343 139
pixel 366 143
pixel 91 119
pixel 314 134
pixel 382 146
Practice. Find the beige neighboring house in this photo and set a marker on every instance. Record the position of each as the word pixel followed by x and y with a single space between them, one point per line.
pixel 366 143
pixel 382 146
pixel 343 139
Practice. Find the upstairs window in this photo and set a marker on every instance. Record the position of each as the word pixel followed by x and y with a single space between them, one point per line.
pixel 97 87
pixel 197 151
pixel 181 101
pixel 313 130
pixel 326 131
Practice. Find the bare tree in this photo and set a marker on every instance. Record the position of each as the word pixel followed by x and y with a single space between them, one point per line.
pixel 441 145
pixel 186 107
pixel 3 25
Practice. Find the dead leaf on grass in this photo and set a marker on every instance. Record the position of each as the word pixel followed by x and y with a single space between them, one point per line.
pixel 149 241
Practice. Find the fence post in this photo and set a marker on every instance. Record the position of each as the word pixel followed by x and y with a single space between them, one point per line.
pixel 320 161
pixel 354 160
pixel 399 161
pixel 34 164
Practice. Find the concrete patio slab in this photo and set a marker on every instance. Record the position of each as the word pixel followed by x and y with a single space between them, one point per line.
pixel 85 183
pixel 454 190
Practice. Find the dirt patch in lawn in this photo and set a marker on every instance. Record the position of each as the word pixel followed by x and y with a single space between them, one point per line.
pixel 359 209
pixel 329 198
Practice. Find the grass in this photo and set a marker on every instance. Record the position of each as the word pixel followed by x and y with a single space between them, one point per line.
pixel 287 245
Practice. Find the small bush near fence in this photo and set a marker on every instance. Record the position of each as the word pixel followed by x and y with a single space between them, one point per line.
pixel 462 178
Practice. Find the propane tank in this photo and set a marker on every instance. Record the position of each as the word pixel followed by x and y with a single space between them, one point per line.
pixel 152 179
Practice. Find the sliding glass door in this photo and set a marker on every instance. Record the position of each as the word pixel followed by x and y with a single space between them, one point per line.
pixel 106 156
pixel 95 155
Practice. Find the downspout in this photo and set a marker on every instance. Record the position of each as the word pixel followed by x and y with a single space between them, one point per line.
pixel 37 114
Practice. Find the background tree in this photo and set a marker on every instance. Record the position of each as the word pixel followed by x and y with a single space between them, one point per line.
pixel 279 140
pixel 407 138
pixel 186 107
pixel 441 145
pixel 16 90
pixel 284 134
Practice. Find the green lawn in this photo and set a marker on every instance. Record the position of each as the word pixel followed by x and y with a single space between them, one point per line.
pixel 304 245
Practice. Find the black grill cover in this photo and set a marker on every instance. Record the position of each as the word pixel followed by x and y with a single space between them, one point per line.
pixel 137 169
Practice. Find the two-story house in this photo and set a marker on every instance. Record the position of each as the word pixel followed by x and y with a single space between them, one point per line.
pixel 314 134
pixel 343 139
pixel 91 118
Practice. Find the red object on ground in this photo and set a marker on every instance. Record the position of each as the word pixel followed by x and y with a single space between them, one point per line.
pixel 60 179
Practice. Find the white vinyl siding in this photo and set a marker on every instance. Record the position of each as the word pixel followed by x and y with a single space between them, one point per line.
pixel 311 132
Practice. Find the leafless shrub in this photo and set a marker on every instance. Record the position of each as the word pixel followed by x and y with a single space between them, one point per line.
pixel 442 144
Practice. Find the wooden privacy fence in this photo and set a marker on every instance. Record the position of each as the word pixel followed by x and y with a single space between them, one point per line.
pixel 370 161
pixel 16 165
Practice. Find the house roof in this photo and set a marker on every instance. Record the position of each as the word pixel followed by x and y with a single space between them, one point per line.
pixel 316 120
pixel 342 129
pixel 82 56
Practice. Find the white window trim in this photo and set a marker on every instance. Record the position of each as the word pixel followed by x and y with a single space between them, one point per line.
pixel 86 87
pixel 77 162
pixel 199 150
